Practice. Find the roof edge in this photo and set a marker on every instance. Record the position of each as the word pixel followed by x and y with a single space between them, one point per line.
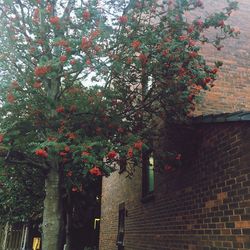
pixel 240 116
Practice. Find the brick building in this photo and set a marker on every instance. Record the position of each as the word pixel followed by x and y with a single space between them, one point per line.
pixel 231 92
pixel 205 204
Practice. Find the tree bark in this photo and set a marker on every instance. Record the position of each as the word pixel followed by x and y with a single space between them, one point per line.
pixel 52 214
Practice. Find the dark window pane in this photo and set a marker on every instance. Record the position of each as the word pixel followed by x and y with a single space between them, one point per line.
pixel 151 174
pixel 121 226
pixel 148 166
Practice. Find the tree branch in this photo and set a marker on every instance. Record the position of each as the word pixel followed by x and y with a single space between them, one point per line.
pixel 68 8
pixel 25 160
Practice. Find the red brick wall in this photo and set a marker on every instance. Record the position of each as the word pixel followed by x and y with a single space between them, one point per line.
pixel 205 205
pixel 232 89
pixel 117 189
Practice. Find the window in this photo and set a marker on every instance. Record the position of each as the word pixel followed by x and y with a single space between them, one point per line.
pixel 148 165
pixel 121 226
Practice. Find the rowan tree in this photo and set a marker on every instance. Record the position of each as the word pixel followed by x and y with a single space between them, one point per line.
pixel 82 83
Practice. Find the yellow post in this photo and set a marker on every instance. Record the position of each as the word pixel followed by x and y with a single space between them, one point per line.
pixel 36 243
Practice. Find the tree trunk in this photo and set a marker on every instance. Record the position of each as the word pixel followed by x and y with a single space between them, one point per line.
pixel 52 214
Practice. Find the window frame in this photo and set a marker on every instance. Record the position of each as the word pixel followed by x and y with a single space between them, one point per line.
pixel 147 194
pixel 121 226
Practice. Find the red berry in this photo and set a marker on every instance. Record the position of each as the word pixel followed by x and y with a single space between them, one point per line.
pixel 86 15
pixel 1 138
pixel 123 19
pixel 41 153
pixel 112 154
pixel 60 109
pixel 73 62
pixel 54 20
pixel 95 171
pixel 138 145
pixel 37 85
pixel 63 58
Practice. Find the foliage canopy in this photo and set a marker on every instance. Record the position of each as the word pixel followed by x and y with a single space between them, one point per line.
pixel 81 82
